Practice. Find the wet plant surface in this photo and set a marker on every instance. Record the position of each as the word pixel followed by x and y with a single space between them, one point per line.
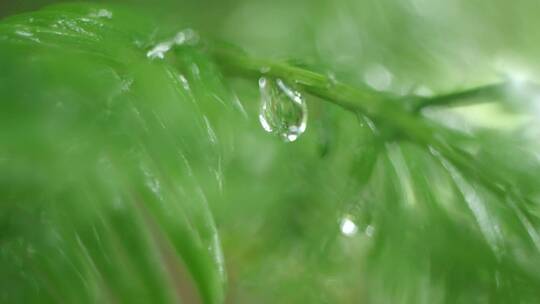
pixel 158 155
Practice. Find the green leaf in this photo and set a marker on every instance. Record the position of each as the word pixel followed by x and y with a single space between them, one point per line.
pixel 112 162
pixel 105 156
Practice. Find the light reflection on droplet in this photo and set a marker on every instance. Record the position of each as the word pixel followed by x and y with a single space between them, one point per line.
pixel 159 50
pixel 187 36
pixel 283 111
pixel 348 227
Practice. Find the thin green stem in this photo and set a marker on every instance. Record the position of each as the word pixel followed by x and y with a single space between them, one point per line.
pixel 376 105
pixel 380 107
pixel 478 94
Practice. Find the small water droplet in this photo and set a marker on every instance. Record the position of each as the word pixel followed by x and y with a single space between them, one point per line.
pixel 187 36
pixel 159 50
pixel 347 226
pixel 283 110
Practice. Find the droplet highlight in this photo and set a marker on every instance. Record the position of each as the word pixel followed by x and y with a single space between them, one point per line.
pixel 347 226
pixel 283 111
pixel 187 36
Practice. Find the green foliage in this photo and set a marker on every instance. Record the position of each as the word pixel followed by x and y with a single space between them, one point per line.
pixel 102 156
pixel 114 166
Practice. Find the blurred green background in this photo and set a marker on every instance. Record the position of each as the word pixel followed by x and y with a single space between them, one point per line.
pixel 339 216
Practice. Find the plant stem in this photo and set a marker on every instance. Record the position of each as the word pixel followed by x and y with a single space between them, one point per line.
pixel 380 107
pixel 355 99
pixel 376 105
pixel 487 91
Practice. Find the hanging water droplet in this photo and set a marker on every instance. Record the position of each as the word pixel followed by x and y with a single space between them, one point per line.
pixel 283 110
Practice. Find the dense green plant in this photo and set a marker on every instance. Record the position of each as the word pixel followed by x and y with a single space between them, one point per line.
pixel 124 142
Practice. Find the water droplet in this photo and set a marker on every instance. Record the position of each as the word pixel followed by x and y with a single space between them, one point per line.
pixel 347 226
pixel 187 36
pixel 159 50
pixel 283 110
